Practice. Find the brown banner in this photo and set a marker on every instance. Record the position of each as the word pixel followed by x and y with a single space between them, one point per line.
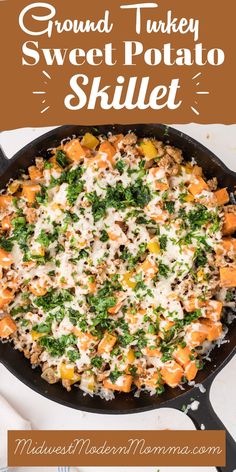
pixel 101 62
pixel 116 448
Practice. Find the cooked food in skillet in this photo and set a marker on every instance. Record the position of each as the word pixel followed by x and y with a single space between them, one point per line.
pixel 116 261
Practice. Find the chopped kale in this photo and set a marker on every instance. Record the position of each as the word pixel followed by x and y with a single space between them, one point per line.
pixel 170 207
pixel 61 158
pixel 97 362
pixel 120 197
pixel 21 232
pixel 230 296
pixel 114 375
pixel 189 317
pixel 120 165
pixel 6 244
pixel 104 236
pixel 163 270
pixel 74 190
pixel 163 242
pixel 44 238
pixel 73 355
pixel 57 347
pixel 130 258
pixel 98 206
pixel 53 299
pixel 42 196
pixel 200 258
pixel 43 327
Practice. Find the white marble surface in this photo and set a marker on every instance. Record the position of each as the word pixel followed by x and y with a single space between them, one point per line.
pixel 44 414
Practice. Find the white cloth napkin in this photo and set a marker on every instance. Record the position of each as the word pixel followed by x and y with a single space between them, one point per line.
pixel 9 419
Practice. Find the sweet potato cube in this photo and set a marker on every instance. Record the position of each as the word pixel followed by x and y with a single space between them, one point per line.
pixel 74 150
pixel 214 329
pixel 29 191
pixel 107 148
pixel 198 186
pixel 5 201
pixel 222 196
pixel 192 304
pixel 85 339
pixel 229 226
pixel 114 309
pixel 7 327
pixel 214 310
pixel 54 164
pixel 5 259
pixel 118 139
pixel 6 297
pixel 152 381
pixel 227 245
pixel 182 355
pixel 155 352
pixel 107 343
pixel 35 173
pixel 228 277
pixel 197 170
pixel 192 169
pixel 92 286
pixel 123 384
pixel 99 161
pixel 191 370
pixel 159 177
pixel 197 333
pixel 149 268
pixel 37 290
pixel 172 373
pixel 6 223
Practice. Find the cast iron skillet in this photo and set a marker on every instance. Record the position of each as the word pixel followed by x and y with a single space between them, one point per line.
pixel 127 403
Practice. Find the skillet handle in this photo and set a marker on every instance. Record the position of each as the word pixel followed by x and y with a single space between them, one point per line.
pixel 206 416
pixel 4 162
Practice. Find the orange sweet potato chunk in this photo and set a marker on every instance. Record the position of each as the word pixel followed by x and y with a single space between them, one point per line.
pixel 107 343
pixel 5 259
pixel 35 173
pixel 29 191
pixel 74 150
pixel 192 304
pixel 125 384
pixel 214 310
pixel 229 244
pixel 172 373
pixel 197 333
pixel 222 196
pixel 149 268
pixel 6 297
pixel 7 327
pixel 5 201
pixel 114 309
pixel 228 277
pixel 191 371
pixel 198 186
pixel 6 223
pixel 229 226
pixel 214 329
pixel 182 355
pixel 226 245
pixel 108 149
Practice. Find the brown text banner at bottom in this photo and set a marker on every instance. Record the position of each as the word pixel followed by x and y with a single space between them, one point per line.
pixel 116 448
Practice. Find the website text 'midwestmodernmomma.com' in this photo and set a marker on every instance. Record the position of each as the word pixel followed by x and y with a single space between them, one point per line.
pixel 121 448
